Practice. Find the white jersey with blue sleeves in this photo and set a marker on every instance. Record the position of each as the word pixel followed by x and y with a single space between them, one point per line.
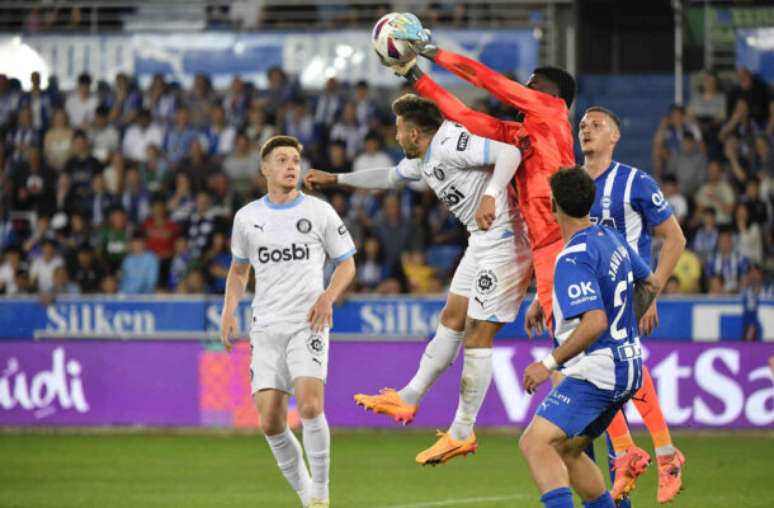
pixel 458 167
pixel 287 246
pixel 596 270
pixel 631 202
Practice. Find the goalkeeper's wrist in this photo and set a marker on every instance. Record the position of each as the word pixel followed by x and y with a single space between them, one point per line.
pixel 550 363
pixel 414 74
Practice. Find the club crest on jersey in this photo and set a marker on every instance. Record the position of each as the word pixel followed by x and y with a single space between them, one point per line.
pixel 486 282
pixel 438 173
pixel 342 230
pixel 315 344
pixel 462 142
pixel 303 226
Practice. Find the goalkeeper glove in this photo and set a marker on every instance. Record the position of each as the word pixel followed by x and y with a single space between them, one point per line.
pixel 410 29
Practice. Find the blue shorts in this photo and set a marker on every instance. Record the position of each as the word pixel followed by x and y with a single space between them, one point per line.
pixel 581 409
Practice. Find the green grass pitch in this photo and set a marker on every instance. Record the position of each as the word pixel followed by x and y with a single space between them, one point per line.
pixel 371 469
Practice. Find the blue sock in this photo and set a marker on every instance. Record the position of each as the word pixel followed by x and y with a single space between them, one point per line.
pixel 624 503
pixel 603 501
pixel 557 498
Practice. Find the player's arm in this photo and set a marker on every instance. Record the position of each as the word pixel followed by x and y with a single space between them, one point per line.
pixel 506 161
pixel 236 282
pixel 375 179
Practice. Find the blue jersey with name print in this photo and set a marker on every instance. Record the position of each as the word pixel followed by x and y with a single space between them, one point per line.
pixel 597 270
pixel 631 202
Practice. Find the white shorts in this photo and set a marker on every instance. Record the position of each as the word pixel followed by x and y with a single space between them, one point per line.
pixel 280 353
pixel 494 279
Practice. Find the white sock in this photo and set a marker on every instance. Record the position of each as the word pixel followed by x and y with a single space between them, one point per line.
pixel 317 443
pixel 439 354
pixel 290 459
pixel 474 383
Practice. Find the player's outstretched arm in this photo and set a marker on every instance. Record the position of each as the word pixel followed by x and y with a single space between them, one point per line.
pixel 321 313
pixel 236 282
pixel 377 179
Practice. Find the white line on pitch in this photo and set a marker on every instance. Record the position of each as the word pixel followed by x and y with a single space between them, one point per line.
pixel 459 501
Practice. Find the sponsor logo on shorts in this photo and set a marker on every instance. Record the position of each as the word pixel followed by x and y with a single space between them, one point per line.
pixel 462 142
pixel 315 344
pixel 303 226
pixel 486 282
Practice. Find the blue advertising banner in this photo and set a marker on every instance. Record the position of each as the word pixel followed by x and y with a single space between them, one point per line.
pixel 755 50
pixel 312 56
pixel 401 318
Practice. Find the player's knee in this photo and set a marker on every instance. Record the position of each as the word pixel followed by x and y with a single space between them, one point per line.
pixel 527 443
pixel 272 424
pixel 453 317
pixel 310 408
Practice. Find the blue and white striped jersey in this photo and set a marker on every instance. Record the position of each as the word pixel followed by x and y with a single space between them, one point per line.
pixel 631 202
pixel 596 270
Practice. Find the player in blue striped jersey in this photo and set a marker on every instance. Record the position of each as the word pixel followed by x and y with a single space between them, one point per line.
pixel 631 202
pixel 598 348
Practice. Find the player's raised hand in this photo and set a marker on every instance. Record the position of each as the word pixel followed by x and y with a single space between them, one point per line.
pixel 316 179
pixel 228 329
pixel 534 376
pixel 534 320
pixel 485 215
pixel 399 69
pixel 321 314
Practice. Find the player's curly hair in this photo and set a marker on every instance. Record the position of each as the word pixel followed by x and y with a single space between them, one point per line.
pixel 562 79
pixel 420 111
pixel 278 141
pixel 573 191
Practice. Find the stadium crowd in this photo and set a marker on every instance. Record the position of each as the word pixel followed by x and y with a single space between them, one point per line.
pixel 115 188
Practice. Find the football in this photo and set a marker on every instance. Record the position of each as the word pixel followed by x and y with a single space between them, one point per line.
pixel 390 49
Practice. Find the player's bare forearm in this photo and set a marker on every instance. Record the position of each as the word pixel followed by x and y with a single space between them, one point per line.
pixel 341 279
pixel 592 325
pixel 674 244
pixel 236 282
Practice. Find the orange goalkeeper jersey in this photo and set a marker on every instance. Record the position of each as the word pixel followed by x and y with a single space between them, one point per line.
pixel 544 137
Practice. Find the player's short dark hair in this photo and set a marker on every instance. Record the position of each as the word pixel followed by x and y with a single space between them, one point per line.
pixel 573 190
pixel 420 111
pixel 562 79
pixel 277 142
pixel 605 111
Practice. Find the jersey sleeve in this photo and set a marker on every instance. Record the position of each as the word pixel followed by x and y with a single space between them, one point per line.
pixel 508 91
pixel 337 241
pixel 408 169
pixel 576 286
pixel 240 248
pixel 648 199
pixel 453 109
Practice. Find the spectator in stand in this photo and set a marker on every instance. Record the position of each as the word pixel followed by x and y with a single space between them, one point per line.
pixel 371 268
pixel 373 157
pixel 12 263
pixel 160 101
pixel 200 100
pixel 728 262
pixel 32 183
pixel 81 105
pixel 181 203
pixel 241 166
pixel 688 272
pixel 764 158
pixel 349 130
pixel 81 167
pixel 218 135
pixel 201 225
pixel 708 107
pixel 198 165
pixel 142 133
pixel 139 269
pixel 749 237
pixel 236 101
pixel 258 129
pixel 182 263
pixel 113 239
pixel 752 331
pixel 41 232
pixel 104 137
pixel 193 284
pixel 328 106
pixel 56 143
pixel 218 260
pixel 62 285
pixel 300 124
pixel 754 93
pixel 87 272
pixel 178 139
pixel 741 169
pixel 224 199
pixel 126 103
pixel 155 170
pixel 336 160
pixel 672 286
pixel 705 240
pixel 416 271
pixel 41 104
pixel 688 164
pixel 24 135
pixel 74 233
pixel 160 235
pixel 65 198
pixel 135 199
pixel 108 285
pixel 759 213
pixel 717 193
pixel 43 266
pixel 669 135
pixel 365 107
pixel 339 203
pixel 100 201
pixel 675 199
pixel 280 92
pixel 393 231
pixel 23 282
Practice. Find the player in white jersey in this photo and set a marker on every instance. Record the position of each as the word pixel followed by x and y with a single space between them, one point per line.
pixel 470 175
pixel 286 237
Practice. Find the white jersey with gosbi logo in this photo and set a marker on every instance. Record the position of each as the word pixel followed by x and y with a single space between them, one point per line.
pixel 287 246
pixel 458 167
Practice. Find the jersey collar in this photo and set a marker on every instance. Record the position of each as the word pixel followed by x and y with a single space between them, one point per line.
pixel 283 206
pixel 613 163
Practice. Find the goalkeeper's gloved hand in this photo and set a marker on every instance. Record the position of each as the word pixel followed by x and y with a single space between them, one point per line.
pixel 400 69
pixel 410 29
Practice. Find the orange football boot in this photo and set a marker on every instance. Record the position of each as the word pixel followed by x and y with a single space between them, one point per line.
pixel 627 469
pixel 389 403
pixel 670 476
pixel 447 448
